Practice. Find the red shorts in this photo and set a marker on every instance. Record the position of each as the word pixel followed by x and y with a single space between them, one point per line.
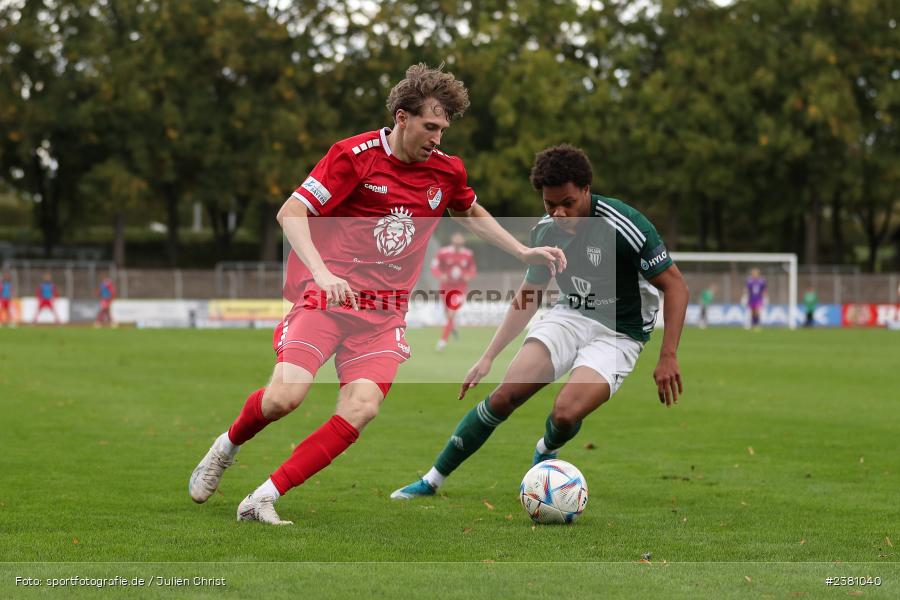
pixel 105 304
pixel 5 304
pixel 453 297
pixel 42 304
pixel 308 337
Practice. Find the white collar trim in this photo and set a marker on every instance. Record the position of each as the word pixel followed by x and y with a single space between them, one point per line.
pixel 384 143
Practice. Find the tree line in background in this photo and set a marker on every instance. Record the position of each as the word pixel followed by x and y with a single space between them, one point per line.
pixel 764 125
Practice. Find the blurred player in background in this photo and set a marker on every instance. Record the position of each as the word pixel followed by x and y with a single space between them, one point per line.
pixel 6 296
pixel 107 293
pixel 454 266
pixel 390 186
pixel 810 302
pixel 756 296
pixel 46 293
pixel 706 299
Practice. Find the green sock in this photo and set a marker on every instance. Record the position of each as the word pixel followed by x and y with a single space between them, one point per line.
pixel 555 438
pixel 473 430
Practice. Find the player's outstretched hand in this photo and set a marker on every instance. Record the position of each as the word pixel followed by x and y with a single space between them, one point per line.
pixel 475 374
pixel 667 376
pixel 549 256
pixel 337 291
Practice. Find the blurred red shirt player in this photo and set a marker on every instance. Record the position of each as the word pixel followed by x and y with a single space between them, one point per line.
pixel 453 266
pixel 46 293
pixel 358 226
pixel 107 293
pixel 6 299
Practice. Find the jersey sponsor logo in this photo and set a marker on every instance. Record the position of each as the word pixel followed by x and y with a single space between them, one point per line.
pixel 399 332
pixel 659 255
pixel 394 232
pixel 378 189
pixel 582 286
pixel 434 196
pixel 593 254
pixel 315 187
pixel 644 265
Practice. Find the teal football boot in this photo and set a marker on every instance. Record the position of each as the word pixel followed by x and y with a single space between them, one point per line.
pixel 413 490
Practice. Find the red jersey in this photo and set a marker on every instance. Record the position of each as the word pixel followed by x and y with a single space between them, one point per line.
pixel 453 267
pixel 384 212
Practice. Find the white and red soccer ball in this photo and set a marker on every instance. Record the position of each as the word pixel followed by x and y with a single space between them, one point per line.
pixel 553 491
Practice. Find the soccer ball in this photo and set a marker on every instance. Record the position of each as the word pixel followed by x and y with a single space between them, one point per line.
pixel 554 491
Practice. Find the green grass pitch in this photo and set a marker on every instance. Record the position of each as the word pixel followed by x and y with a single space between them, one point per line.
pixel 778 469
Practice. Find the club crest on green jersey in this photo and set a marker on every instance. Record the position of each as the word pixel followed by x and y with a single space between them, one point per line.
pixel 593 254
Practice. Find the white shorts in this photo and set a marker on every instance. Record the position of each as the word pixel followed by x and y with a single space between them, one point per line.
pixel 574 341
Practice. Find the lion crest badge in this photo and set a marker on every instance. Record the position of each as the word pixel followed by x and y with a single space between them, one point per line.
pixel 394 232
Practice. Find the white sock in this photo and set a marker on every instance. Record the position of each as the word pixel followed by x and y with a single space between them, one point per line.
pixel 542 447
pixel 267 489
pixel 434 478
pixel 226 446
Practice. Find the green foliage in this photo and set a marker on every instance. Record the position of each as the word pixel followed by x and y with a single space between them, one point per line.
pixel 760 124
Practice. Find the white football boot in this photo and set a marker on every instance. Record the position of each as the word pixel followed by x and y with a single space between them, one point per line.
pixel 260 509
pixel 205 478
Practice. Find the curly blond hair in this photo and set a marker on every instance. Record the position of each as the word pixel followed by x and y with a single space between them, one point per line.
pixel 423 82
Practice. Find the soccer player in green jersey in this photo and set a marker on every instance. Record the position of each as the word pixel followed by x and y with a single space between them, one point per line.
pixel 810 301
pixel 606 310
pixel 706 298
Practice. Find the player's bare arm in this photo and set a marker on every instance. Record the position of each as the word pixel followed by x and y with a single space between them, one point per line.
pixel 667 374
pixel 480 222
pixel 518 315
pixel 294 220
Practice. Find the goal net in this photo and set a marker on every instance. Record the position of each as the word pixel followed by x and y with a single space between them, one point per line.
pixel 724 276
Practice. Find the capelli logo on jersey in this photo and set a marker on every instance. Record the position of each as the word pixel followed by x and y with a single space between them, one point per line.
pixel 378 189
pixel 399 333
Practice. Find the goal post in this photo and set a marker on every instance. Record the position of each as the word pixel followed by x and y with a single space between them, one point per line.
pixel 789 260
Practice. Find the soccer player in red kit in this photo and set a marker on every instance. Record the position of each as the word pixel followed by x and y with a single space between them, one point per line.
pixel 46 293
pixel 6 297
pixel 358 227
pixel 107 293
pixel 454 266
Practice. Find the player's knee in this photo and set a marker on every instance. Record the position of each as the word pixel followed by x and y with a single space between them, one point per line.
pixel 367 410
pixel 281 400
pixel 359 411
pixel 565 416
pixel 503 402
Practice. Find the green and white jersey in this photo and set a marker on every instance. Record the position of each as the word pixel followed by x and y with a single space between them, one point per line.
pixel 610 258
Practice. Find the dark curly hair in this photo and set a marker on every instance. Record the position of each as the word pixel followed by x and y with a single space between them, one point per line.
pixel 559 165
pixel 423 82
